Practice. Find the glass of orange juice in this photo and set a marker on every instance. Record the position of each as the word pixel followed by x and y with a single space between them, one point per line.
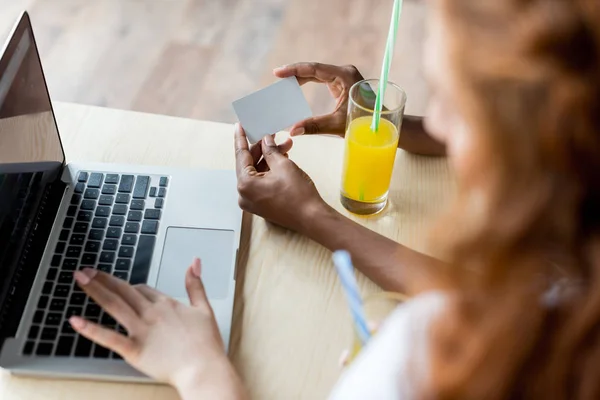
pixel 369 156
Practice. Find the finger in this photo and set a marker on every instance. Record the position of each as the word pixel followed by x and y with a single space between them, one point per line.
pixel 108 338
pixel 256 152
pixel 127 292
pixel 310 71
pixel 244 162
pixel 286 146
pixel 271 152
pixel 111 301
pixel 151 294
pixel 194 285
pixel 330 123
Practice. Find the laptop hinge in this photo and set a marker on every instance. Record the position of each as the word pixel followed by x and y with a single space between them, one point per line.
pixel 28 262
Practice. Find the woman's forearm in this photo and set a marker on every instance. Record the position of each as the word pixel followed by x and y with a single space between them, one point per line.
pixel 221 383
pixel 415 139
pixel 389 264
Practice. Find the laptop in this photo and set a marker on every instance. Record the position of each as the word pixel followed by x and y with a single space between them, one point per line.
pixel 142 224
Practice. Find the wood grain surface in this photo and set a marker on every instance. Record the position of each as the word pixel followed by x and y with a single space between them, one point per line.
pixel 291 322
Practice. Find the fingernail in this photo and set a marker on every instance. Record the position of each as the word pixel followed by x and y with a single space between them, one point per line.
pixel 197 267
pixel 269 141
pixel 77 323
pixel 297 131
pixel 279 68
pixel 81 278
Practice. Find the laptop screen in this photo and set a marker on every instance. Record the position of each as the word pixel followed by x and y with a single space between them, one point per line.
pixel 31 154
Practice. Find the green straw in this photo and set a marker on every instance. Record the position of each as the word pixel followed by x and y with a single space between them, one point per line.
pixel 387 62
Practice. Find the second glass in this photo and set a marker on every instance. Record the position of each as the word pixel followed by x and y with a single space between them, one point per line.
pixel 369 156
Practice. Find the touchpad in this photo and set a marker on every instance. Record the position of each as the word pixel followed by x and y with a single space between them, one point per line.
pixel 214 247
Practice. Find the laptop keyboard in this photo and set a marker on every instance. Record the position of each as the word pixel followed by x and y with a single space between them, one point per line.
pixel 111 225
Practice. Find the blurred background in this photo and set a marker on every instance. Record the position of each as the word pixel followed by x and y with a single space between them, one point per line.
pixel 192 58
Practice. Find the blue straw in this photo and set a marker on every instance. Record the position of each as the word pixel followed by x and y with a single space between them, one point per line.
pixel 343 265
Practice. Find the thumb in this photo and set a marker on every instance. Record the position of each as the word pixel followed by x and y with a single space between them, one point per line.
pixel 194 285
pixel 330 123
pixel 271 152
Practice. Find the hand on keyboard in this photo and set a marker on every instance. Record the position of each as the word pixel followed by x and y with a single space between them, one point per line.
pixel 169 341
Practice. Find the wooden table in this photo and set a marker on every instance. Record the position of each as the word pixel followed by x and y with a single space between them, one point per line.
pixel 290 320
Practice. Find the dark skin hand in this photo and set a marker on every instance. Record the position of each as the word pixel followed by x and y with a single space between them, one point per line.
pixel 286 196
pixel 339 80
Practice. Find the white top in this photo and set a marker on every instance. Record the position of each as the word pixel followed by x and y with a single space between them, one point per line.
pixel 394 364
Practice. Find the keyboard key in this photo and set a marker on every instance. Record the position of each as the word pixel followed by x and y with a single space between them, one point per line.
pixel 134 216
pixel 117 220
pixel 120 209
pixel 150 227
pixel 123 264
pixel 53 319
pixel 84 216
pixel 77 299
pixel 140 191
pixel 43 349
pixel 153 191
pixel 132 227
pixel 88 260
pixel 162 192
pixel 96 234
pixel 115 356
pixel 67 329
pixel 68 222
pixel 120 274
pixel 33 332
pixel 49 333
pixel 138 204
pixel 92 247
pixel 129 239
pixel 108 321
pixel 77 239
pixel 61 291
pixel 99 223
pixel 56 259
pixel 47 288
pixel 72 211
pixel 159 203
pixel 107 257
pixel 92 310
pixel 112 178
pixel 38 317
pixel 105 268
pixel 113 232
pixel 28 349
pixel 76 199
pixel 76 289
pixel 60 247
pixel 73 311
pixel 123 198
pixel 106 200
pixel 88 205
pixel 83 347
pixel 79 187
pixel 43 302
pixel 126 185
pixel 92 194
pixel 101 352
pixel 64 346
pixel 109 189
pixel 83 177
pixel 64 234
pixel 143 257
pixel 152 214
pixel 126 252
pixel 164 181
pixel 65 277
pixel 69 264
pixel 58 305
pixel 52 272
pixel 95 180
pixel 73 251
pixel 103 211
pixel 81 227
pixel 110 244
pixel 122 330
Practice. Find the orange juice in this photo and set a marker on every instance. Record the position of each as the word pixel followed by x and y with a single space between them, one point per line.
pixel 369 160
